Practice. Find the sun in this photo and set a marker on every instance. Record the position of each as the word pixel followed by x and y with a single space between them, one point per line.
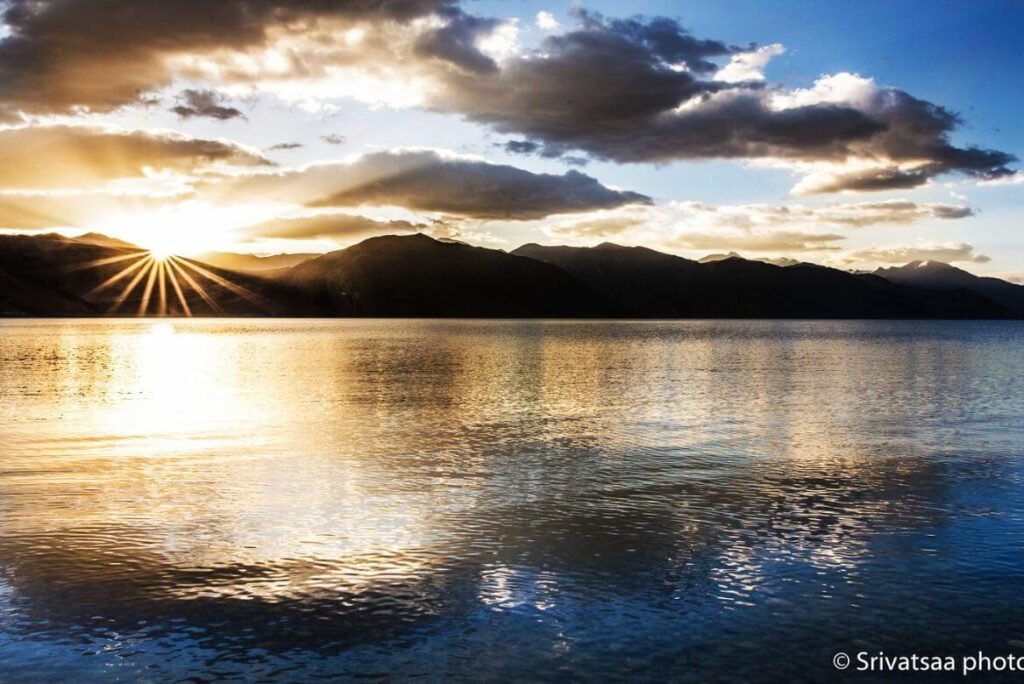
pixel 164 241
pixel 161 253
pixel 185 229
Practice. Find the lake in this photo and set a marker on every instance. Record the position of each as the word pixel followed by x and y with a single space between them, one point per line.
pixel 509 500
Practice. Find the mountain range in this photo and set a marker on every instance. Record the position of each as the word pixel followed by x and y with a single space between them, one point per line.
pixel 418 276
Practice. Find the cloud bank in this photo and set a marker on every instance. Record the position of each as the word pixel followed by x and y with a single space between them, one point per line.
pixel 665 94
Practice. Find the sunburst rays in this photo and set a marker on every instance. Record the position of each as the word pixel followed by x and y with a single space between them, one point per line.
pixel 153 280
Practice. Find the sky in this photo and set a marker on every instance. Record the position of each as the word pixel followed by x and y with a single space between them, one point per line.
pixel 851 134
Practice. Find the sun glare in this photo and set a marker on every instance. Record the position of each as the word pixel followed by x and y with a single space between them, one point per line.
pixel 186 229
pixel 160 253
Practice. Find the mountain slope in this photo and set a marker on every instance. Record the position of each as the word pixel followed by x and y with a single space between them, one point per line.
pixel 639 281
pixel 104 241
pixel 643 282
pixel 51 275
pixel 940 276
pixel 415 275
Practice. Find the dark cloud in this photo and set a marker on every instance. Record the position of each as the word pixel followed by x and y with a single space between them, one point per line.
pixel 88 156
pixel 575 86
pixel 633 116
pixel 456 42
pixel 336 226
pixel 663 38
pixel 204 103
pixel 870 180
pixel 529 147
pixel 521 147
pixel 614 90
pixel 427 181
pixel 103 54
pixel 951 212
pixel 286 146
pixel 334 139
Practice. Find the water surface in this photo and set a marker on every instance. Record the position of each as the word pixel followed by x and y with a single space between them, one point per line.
pixel 508 500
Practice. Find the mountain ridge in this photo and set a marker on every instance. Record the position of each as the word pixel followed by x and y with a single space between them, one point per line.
pixel 419 276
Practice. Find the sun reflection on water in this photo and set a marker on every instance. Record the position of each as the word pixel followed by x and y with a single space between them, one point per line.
pixel 371 477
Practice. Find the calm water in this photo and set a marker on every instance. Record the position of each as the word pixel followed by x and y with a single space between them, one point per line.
pixel 508 500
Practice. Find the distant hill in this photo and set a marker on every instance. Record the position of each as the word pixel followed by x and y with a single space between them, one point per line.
pixel 777 261
pixel 939 276
pixel 643 282
pixel 104 241
pixel 251 262
pixel 711 258
pixel 782 261
pixel 415 275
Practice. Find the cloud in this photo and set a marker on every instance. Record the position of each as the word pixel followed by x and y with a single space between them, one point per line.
pixel 62 156
pixel 662 223
pixel 749 241
pixel 65 54
pixel 529 147
pixel 603 226
pixel 857 215
pixel 424 180
pixel 331 226
pixel 749 66
pixel 521 147
pixel 1008 179
pixel 925 251
pixel 686 227
pixel 744 227
pixel 45 211
pixel 286 146
pixel 664 95
pixel 663 98
pixel 334 139
pixel 869 180
pixel 1015 277
pixel 204 103
pixel 546 21
pixel 457 42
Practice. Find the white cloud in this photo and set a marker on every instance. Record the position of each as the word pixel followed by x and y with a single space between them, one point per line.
pixel 758 228
pixel 843 88
pixel 749 66
pixel 546 21
pixel 950 252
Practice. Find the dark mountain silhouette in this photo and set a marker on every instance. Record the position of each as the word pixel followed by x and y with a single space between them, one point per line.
pixel 643 282
pixel 415 275
pixel 51 275
pixel 104 241
pixel 939 276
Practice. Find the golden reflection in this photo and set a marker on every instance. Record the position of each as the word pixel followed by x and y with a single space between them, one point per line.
pixel 302 457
